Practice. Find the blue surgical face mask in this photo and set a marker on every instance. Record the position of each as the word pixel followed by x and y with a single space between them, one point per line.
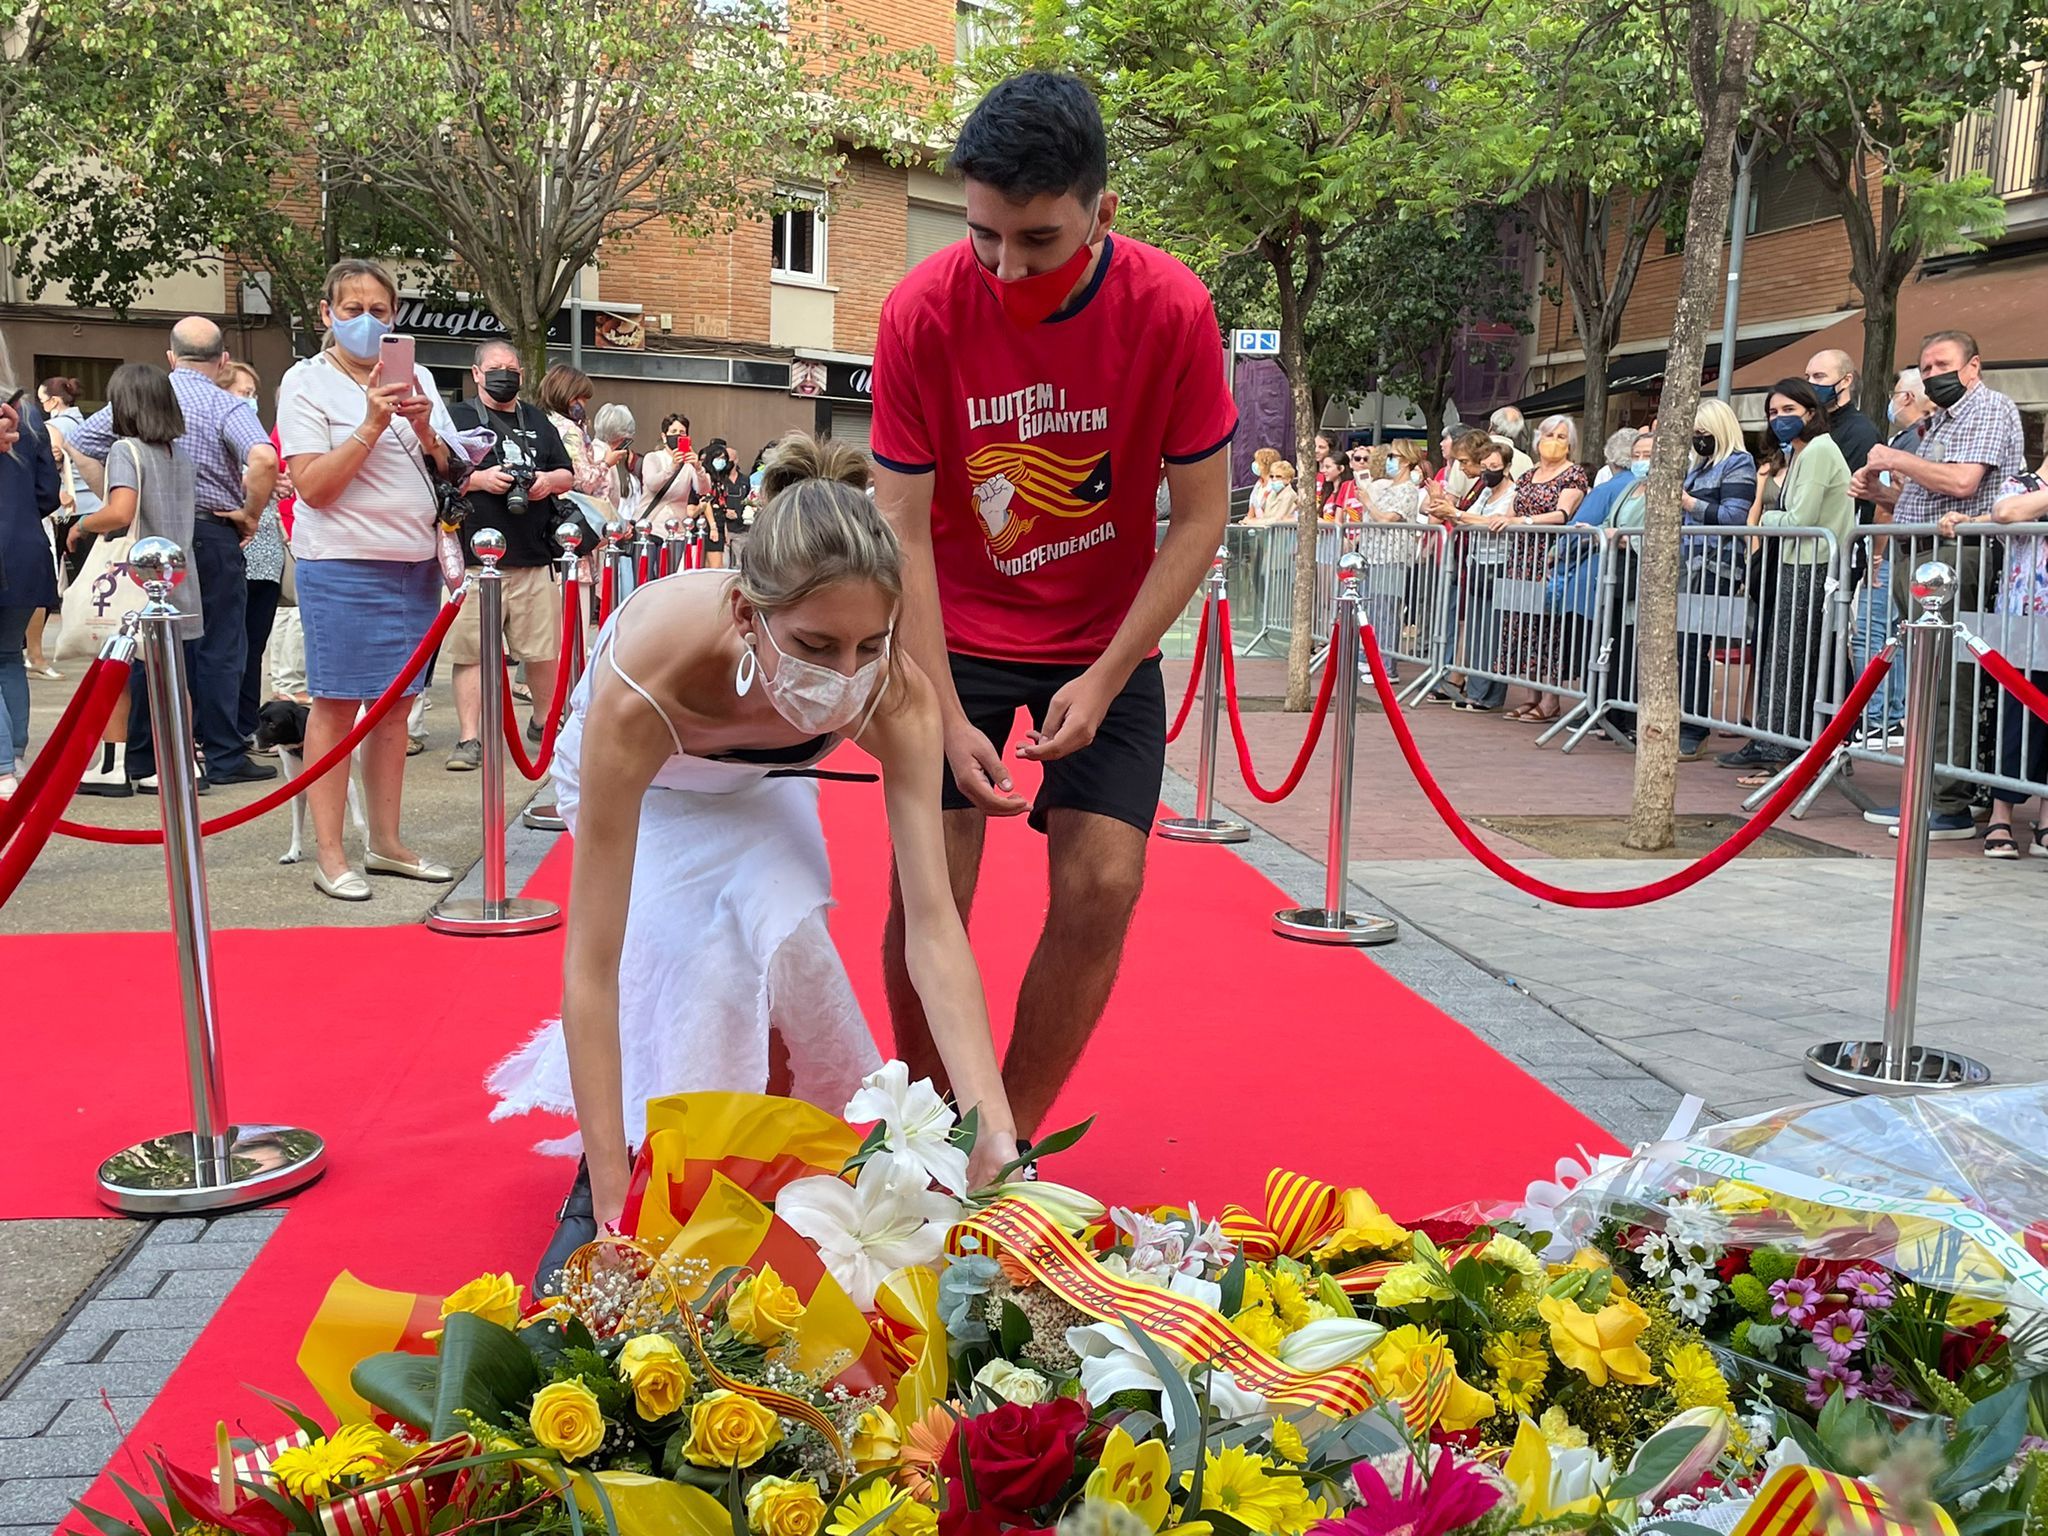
pixel 1825 394
pixel 1786 429
pixel 358 335
pixel 1393 468
pixel 1639 467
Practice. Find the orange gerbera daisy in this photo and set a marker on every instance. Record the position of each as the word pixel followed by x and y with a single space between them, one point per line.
pixel 1018 1276
pixel 924 1442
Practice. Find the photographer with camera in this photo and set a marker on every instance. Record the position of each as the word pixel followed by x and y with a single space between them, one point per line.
pixel 512 491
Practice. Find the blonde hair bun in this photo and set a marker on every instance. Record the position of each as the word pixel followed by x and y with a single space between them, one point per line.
pixel 799 457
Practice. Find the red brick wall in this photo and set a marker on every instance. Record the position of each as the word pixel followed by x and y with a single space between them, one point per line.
pixel 867 251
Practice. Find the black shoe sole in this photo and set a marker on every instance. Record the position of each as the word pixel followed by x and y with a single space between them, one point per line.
pixel 107 791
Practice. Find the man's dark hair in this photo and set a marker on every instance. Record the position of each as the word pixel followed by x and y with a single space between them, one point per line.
pixel 144 405
pixel 1962 339
pixel 1036 132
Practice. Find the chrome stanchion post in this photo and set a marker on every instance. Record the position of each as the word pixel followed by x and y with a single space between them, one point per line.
pixel 1204 826
pixel 1895 1065
pixel 675 546
pixel 541 816
pixel 494 912
pixel 216 1165
pixel 645 547
pixel 620 554
pixel 1331 923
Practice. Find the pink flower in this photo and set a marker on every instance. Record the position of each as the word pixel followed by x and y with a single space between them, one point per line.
pixel 1796 1299
pixel 1870 1289
pixel 1821 1382
pixel 1453 1495
pixel 1839 1334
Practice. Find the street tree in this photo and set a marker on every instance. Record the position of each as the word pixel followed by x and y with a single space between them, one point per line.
pixel 1869 94
pixel 1716 40
pixel 1278 129
pixel 532 133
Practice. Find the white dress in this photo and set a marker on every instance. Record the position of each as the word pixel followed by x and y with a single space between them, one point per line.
pixel 725 935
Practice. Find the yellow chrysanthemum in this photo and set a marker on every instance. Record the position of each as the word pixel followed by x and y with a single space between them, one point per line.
pixel 1695 1377
pixel 1507 1252
pixel 1259 1326
pixel 1291 1301
pixel 1407 1284
pixel 910 1518
pixel 1257 1293
pixel 1287 1443
pixel 1560 1433
pixel 1521 1365
pixel 315 1471
pixel 1245 1487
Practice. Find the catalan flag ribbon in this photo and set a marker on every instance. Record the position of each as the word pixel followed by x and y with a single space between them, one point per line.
pixel 1805 1501
pixel 1046 481
pixel 403 1510
pixel 1066 1269
pixel 1299 1212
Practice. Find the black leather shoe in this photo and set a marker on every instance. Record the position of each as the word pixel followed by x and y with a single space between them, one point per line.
pixel 245 772
pixel 578 1226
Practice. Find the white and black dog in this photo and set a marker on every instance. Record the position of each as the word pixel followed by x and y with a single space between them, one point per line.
pixel 281 725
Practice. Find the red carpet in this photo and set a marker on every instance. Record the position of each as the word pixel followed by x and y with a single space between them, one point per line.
pixel 1226 1051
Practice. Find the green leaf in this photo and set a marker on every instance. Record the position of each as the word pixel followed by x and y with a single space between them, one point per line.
pixel 1987 1438
pixel 965 1134
pixel 106 1524
pixel 1792 1427
pixel 1015 1332
pixel 1232 1301
pixel 153 1519
pixel 1659 1457
pixel 485 1371
pixel 403 1385
pixel 1187 1415
pixel 312 1427
pixel 1058 1141
pixel 736 1501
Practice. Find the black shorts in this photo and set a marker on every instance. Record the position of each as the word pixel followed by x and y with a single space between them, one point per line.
pixel 1119 774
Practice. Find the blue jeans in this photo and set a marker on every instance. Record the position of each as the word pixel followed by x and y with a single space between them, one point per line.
pixel 1873 626
pixel 13 687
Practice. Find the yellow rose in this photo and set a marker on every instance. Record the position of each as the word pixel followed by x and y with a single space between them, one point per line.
pixel 1413 1363
pixel 565 1418
pixel 658 1374
pixel 782 1506
pixel 765 1309
pixel 1599 1345
pixel 1362 1227
pixel 727 1430
pixel 877 1441
pixel 494 1298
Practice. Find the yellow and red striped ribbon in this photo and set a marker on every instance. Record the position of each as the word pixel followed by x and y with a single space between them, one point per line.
pixel 782 1404
pixel 1366 1278
pixel 1805 1501
pixel 1193 1330
pixel 1299 1212
pixel 402 1510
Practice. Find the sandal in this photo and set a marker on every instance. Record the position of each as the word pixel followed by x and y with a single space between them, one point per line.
pixel 1999 844
pixel 1757 778
pixel 1523 712
pixel 2040 846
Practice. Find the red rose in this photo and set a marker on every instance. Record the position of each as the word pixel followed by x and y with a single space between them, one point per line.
pixel 1964 1350
pixel 1734 1262
pixel 1021 1457
pixel 956 1519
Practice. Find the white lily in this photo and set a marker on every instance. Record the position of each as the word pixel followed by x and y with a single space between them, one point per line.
pixel 917 1125
pixel 888 1219
pixel 1330 1341
pixel 1113 1361
pixel 1073 1209
pixel 1578 1474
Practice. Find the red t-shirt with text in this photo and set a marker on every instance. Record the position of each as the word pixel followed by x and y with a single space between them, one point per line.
pixel 1045 442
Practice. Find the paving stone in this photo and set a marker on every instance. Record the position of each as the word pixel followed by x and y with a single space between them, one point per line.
pixel 132 1284
pixel 246 1227
pixel 46 1379
pixel 154 1344
pixel 157 1312
pixel 26 1418
pixel 94 1416
pixel 40 1502
pixel 237 1256
pixel 79 1343
pixel 175 1230
pixel 197 1284
pixel 66 1456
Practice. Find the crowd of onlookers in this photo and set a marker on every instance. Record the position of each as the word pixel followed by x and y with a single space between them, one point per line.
pixel 1951 453
pixel 319 545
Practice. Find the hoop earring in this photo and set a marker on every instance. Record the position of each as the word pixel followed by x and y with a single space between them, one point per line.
pixel 743 679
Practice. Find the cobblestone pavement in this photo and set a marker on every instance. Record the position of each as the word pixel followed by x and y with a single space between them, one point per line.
pixel 1718 991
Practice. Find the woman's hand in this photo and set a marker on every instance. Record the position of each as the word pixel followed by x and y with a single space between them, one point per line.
pixel 1500 520
pixel 609 1181
pixel 993 1150
pixel 383 402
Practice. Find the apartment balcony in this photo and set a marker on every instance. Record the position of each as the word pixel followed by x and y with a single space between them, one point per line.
pixel 2009 144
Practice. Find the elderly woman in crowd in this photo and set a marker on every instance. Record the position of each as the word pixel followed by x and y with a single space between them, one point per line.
pixel 2023 736
pixel 1720 490
pixel 1393 495
pixel 1575 567
pixel 364 452
pixel 611 444
pixel 1546 496
pixel 1262 479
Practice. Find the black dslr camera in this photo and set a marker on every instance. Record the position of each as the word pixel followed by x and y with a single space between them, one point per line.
pixel 516 500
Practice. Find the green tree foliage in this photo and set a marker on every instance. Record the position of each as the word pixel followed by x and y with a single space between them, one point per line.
pixel 1869 93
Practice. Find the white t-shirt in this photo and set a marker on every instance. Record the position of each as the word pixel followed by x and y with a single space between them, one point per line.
pixel 387 511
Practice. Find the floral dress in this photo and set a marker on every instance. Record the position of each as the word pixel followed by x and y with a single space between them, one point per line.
pixel 1529 640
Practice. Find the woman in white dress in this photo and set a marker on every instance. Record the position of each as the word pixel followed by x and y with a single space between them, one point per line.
pixel 697 954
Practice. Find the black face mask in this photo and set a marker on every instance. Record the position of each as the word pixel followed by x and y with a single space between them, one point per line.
pixel 1944 389
pixel 1703 444
pixel 1492 477
pixel 501 383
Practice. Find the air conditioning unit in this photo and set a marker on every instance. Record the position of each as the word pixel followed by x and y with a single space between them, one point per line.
pixel 255 293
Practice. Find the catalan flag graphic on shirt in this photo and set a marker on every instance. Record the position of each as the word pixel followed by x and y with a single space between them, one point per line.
pixel 1012 481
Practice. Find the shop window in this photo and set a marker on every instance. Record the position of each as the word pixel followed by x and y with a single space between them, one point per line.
pixel 92 374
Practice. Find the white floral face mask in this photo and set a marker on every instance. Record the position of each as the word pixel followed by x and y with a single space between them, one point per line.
pixel 819 699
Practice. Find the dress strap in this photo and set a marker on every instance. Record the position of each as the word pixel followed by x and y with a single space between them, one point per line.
pixel 611 654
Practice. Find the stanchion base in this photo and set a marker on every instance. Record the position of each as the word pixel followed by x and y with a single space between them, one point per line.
pixel 543 818
pixel 472 916
pixel 1186 829
pixel 1859 1066
pixel 1319 925
pixel 170 1175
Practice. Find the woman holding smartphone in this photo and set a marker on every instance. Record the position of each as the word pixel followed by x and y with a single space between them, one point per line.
pixel 698 956
pixel 363 450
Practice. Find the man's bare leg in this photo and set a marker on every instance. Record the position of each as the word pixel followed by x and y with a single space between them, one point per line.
pixel 1097 867
pixel 966 832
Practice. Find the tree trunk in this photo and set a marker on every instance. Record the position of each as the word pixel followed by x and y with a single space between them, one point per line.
pixel 1593 423
pixel 1302 641
pixel 1718 66
pixel 1880 343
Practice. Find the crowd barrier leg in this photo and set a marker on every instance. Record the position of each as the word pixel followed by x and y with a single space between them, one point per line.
pixel 215 1165
pixel 1204 826
pixel 1332 923
pixel 1895 1064
pixel 494 912
pixel 618 555
pixel 541 816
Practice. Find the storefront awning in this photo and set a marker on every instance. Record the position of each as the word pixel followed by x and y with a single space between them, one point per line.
pixel 1639 370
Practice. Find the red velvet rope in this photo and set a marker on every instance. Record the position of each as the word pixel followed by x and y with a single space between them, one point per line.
pixel 44 768
pixel 291 789
pixel 1195 676
pixel 1794 785
pixel 514 737
pixel 2014 680
pixel 640 576
pixel 104 689
pixel 1315 721
pixel 604 589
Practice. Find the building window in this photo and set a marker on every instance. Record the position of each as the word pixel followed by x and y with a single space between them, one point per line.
pixel 1784 196
pixel 93 375
pixel 799 244
pixel 970 29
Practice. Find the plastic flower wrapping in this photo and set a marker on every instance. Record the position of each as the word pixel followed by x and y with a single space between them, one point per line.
pixel 818 1329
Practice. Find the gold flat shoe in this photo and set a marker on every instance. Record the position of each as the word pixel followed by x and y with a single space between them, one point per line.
pixel 425 869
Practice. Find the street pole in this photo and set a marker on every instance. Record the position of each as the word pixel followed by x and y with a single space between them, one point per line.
pixel 1738 226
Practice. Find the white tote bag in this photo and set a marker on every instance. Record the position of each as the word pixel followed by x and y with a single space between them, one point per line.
pixel 103 595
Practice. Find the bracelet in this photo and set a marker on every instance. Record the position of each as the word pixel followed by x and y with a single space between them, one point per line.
pixel 357 434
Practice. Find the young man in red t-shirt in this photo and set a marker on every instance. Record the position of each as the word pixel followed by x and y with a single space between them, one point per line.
pixel 1029 383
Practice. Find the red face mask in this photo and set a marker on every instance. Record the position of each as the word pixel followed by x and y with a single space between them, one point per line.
pixel 1032 300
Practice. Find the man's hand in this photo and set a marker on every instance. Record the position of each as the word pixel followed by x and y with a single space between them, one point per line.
pixel 74 535
pixel 492 482
pixel 1863 483
pixel 1950 523
pixel 1883 458
pixel 978 770
pixel 1071 720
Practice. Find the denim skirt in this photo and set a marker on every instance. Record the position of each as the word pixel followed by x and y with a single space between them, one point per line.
pixel 363 619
